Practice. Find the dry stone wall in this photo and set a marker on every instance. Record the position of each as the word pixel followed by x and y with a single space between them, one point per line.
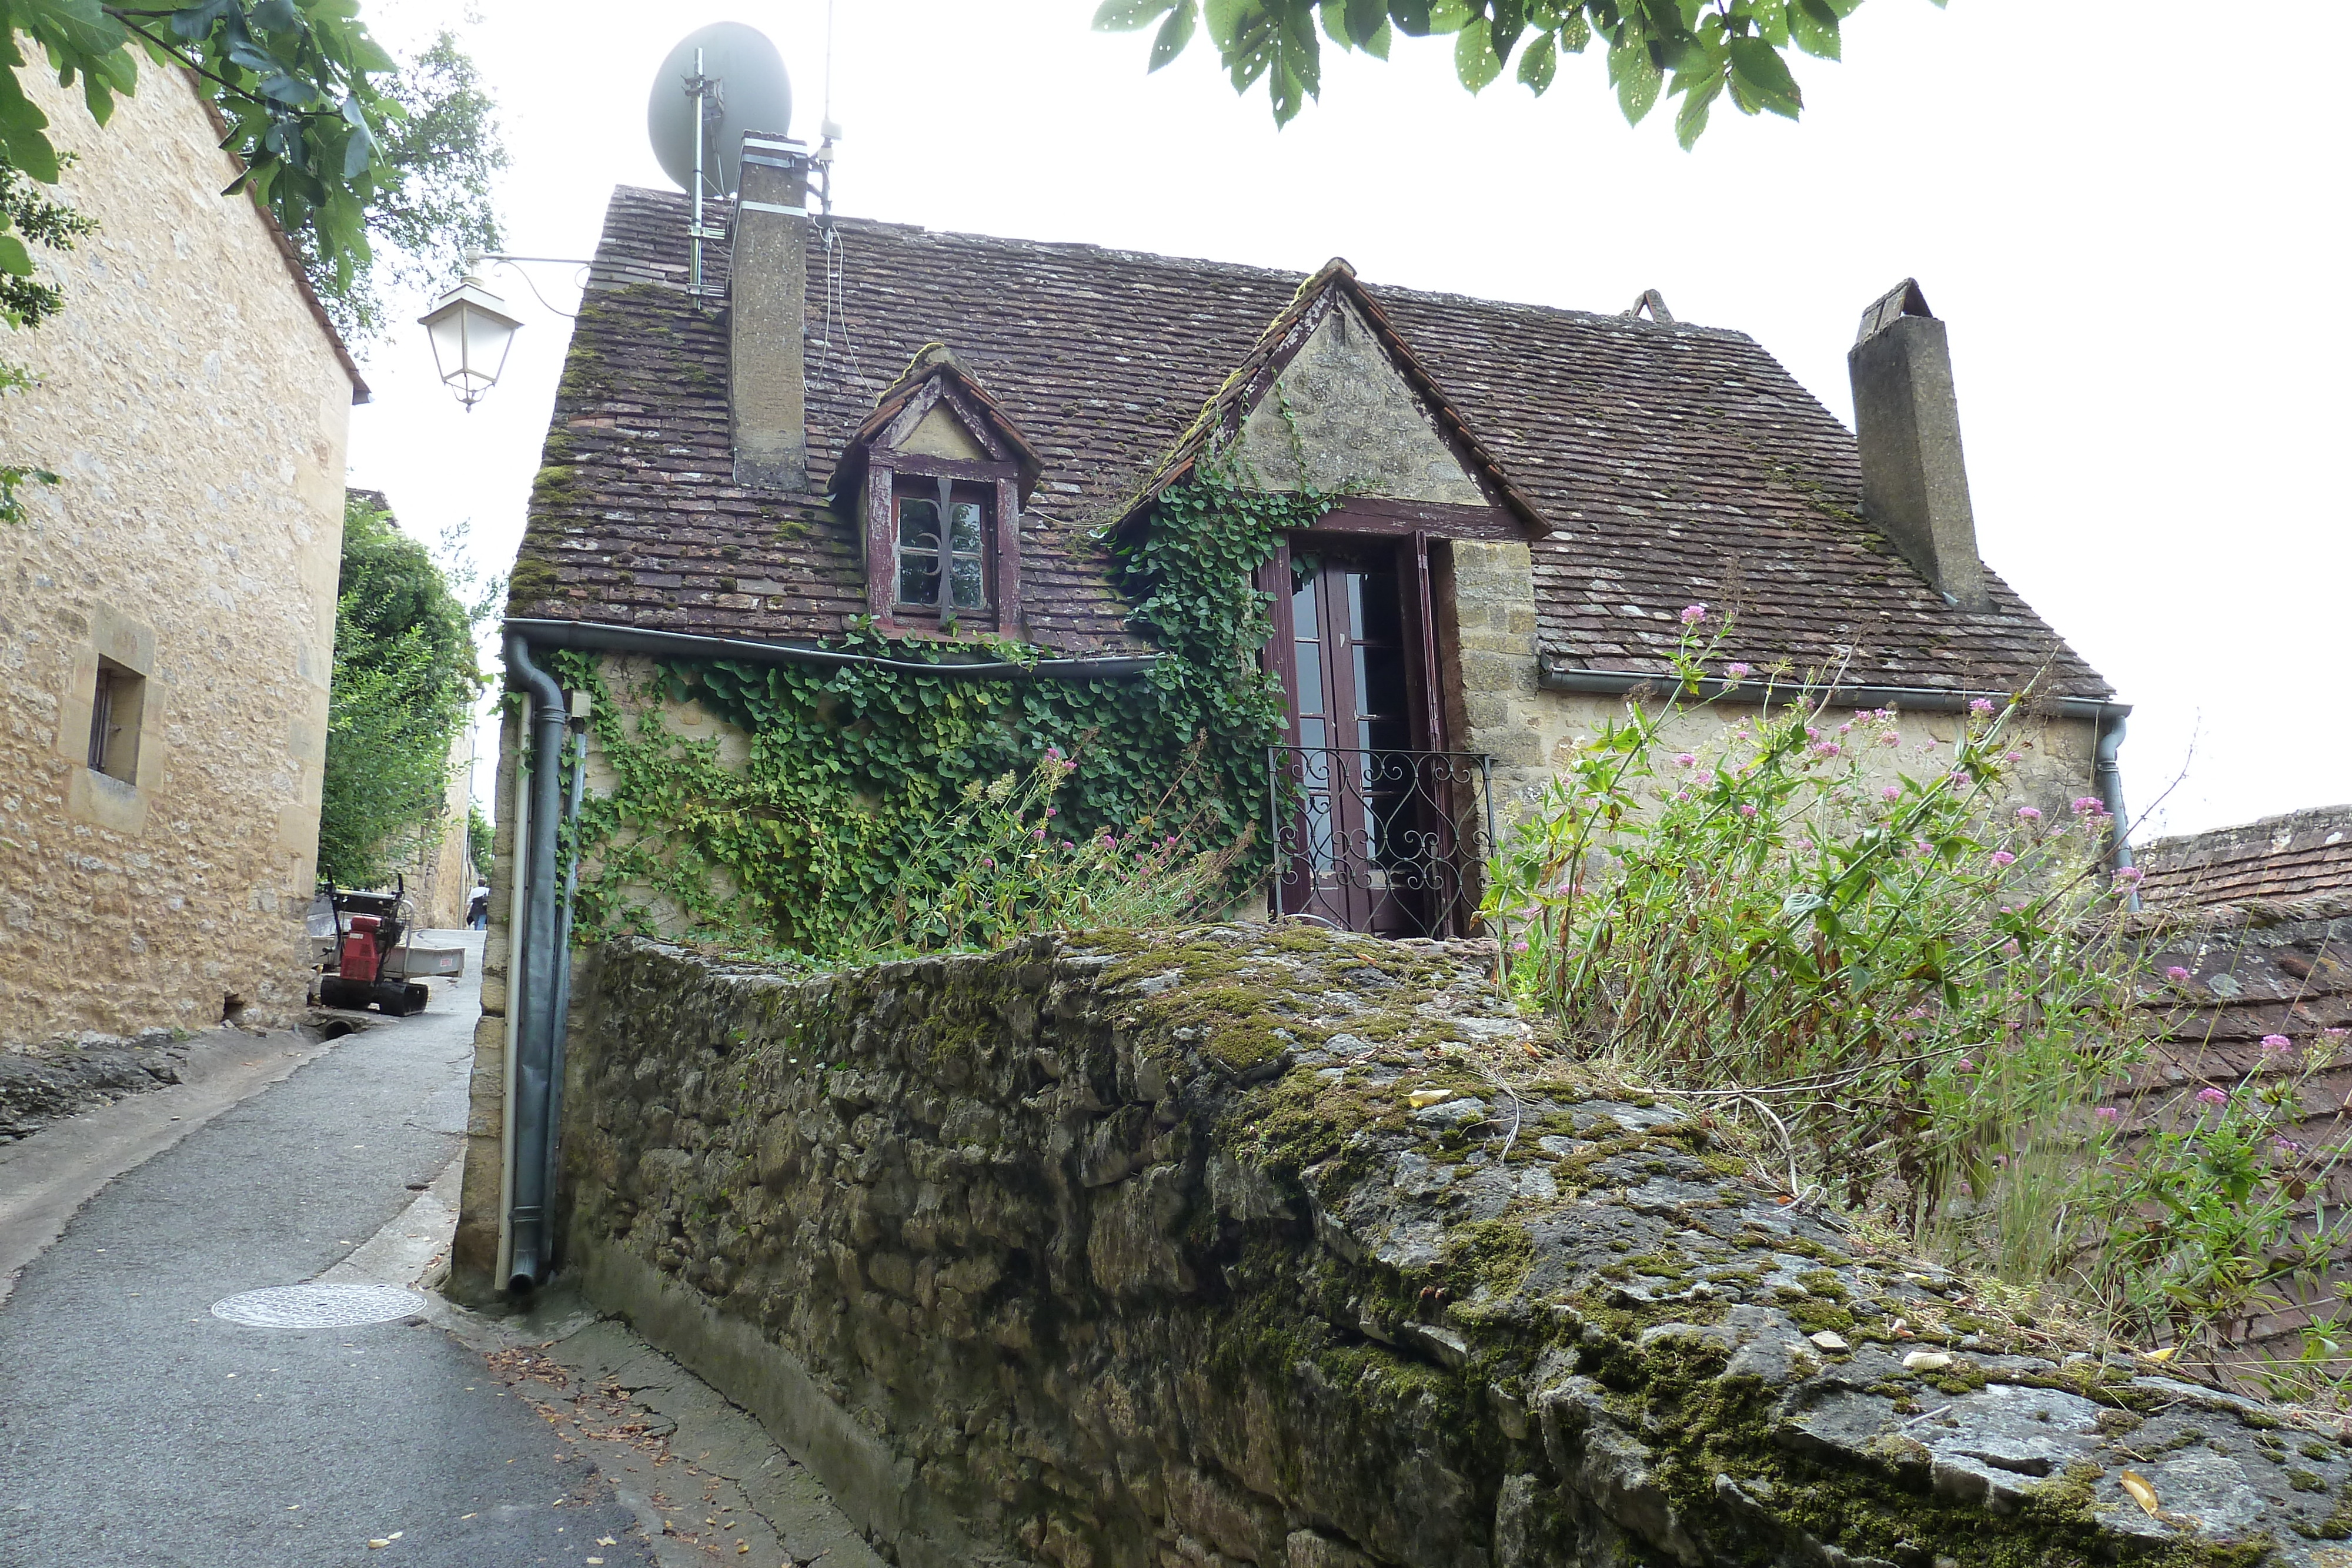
pixel 1232 1247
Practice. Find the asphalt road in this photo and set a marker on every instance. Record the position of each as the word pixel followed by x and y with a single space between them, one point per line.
pixel 138 1429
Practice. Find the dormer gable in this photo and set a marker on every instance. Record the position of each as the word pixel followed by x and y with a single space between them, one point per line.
pixel 937 477
pixel 1332 396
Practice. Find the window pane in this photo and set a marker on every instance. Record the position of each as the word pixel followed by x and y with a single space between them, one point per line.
pixel 965 518
pixel 964 576
pixel 919 577
pixel 918 523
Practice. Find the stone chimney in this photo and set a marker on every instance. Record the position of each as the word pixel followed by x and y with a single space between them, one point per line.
pixel 1907 421
pixel 767 285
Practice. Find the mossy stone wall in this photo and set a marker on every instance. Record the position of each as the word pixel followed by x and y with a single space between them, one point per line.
pixel 1233 1245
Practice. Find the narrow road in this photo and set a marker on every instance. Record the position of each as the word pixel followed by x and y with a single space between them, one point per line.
pixel 137 1428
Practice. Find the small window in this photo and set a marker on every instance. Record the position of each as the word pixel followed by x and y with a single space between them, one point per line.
pixel 114 712
pixel 942 569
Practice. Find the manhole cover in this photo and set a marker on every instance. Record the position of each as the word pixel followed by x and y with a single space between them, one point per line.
pixel 319 1306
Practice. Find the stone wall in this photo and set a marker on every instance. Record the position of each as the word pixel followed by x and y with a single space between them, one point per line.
pixel 1224 1247
pixel 1485 605
pixel 196 409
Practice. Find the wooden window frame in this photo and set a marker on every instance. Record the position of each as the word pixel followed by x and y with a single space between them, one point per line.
pixel 890 471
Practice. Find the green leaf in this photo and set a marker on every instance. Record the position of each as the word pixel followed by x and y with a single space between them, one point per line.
pixel 1635 76
pixel 1411 17
pixel 1474 60
pixel 1367 19
pixel 1130 15
pixel 1510 20
pixel 15 259
pixel 1813 24
pixel 1174 33
pixel 1760 74
pixel 1537 65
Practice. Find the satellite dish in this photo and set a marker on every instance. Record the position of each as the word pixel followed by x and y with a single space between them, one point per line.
pixel 754 95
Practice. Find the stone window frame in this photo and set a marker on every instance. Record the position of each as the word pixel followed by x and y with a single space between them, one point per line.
pixel 116 792
pixel 997 479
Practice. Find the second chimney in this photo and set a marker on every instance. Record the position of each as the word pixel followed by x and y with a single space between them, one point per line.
pixel 1906 421
pixel 767 289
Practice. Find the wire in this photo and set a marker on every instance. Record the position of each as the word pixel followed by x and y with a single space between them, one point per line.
pixel 527 283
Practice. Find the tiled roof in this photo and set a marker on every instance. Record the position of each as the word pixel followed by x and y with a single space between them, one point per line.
pixel 2297 855
pixel 1673 463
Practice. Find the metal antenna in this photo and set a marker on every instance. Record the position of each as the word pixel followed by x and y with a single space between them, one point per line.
pixel 709 102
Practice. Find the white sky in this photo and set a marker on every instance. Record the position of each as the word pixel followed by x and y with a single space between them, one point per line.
pixel 2133 225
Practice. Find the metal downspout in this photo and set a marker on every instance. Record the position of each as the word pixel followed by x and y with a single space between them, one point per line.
pixel 536 952
pixel 563 1030
pixel 2106 772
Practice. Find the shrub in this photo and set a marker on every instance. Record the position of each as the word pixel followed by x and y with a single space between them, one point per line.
pixel 1913 987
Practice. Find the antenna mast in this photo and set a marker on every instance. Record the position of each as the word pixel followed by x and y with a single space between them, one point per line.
pixel 708 93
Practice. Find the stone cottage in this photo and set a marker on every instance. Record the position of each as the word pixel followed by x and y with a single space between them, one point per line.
pixel 864 428
pixel 167 612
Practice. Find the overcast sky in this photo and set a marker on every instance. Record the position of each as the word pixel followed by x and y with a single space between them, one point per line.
pixel 2134 226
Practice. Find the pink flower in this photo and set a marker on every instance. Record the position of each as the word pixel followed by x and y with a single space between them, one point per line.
pixel 1827 749
pixel 1682 794
pixel 1037 833
pixel 2336 1031
pixel 1803 846
pixel 1170 841
pixel 2009 950
pixel 2002 857
pixel 1892 738
pixel 1890 793
pixel 1811 734
pixel 1846 729
pixel 1980 706
pixel 1736 671
pixel 990 864
pixel 2277 1044
pixel 2177 975
pixel 1964 1065
pixel 1050 811
pixel 1693 613
pixel 2089 806
pixel 1067 845
pixel 1565 889
pixel 1520 945
pixel 2131 875
pixel 2285 1147
pixel 2212 1096
pixel 2108 1115
pixel 2014 756
pixel 1745 810
pixel 2028 813
pixel 1685 759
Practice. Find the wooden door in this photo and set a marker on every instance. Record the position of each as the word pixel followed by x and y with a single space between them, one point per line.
pixel 1351 661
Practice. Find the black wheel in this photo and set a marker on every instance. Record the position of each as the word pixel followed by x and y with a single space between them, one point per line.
pixel 418 996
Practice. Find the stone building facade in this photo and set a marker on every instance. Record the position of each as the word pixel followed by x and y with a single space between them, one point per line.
pixel 1524 501
pixel 167 611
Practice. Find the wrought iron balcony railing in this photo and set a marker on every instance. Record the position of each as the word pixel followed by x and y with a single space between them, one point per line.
pixel 1385 842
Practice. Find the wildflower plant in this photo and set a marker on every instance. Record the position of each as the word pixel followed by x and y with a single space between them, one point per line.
pixel 1911 987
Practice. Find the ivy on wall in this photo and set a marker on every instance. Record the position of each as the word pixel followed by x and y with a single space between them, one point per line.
pixel 850 768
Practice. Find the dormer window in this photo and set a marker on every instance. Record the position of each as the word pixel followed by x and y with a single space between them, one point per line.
pixel 944 565
pixel 937 475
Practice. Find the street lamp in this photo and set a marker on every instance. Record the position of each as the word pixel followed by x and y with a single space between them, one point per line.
pixel 470 334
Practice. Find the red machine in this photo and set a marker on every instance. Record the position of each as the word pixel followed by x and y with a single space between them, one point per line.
pixel 376 923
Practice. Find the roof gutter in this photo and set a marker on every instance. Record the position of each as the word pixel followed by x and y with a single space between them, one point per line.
pixel 1917 699
pixel 2108 716
pixel 594 637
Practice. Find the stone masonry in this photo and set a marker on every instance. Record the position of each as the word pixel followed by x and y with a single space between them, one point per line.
pixel 1225 1247
pixel 1486 625
pixel 196 405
